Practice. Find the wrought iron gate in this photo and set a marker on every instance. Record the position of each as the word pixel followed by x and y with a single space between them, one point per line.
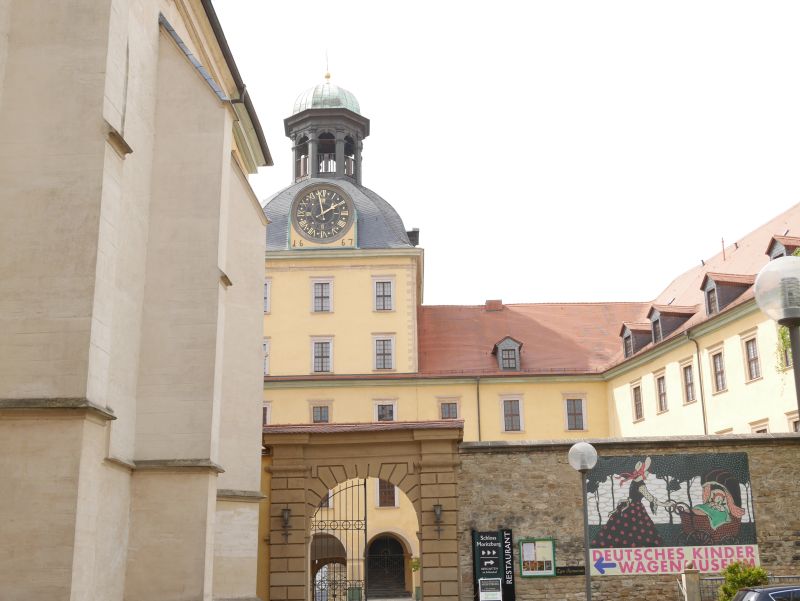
pixel 338 544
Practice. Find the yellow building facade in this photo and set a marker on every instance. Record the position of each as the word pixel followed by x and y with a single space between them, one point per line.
pixel 348 341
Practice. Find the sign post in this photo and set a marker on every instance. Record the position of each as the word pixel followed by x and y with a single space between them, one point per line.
pixel 487 559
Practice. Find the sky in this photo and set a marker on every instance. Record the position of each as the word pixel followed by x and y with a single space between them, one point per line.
pixel 562 151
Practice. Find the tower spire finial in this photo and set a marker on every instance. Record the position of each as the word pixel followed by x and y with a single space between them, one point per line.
pixel 327 69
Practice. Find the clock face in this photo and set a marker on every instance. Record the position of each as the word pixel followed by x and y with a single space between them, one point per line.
pixel 322 213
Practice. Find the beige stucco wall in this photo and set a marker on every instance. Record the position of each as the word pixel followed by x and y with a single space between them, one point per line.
pixel 742 404
pixel 351 324
pixel 122 200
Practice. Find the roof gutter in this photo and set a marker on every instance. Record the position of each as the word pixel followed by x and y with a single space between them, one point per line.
pixel 241 88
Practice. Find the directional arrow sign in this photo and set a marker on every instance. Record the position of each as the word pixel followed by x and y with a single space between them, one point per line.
pixel 601 565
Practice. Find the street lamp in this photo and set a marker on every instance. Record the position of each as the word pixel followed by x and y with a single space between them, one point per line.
pixel 583 457
pixel 778 295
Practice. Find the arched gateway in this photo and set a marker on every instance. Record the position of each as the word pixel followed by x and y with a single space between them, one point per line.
pixel 307 461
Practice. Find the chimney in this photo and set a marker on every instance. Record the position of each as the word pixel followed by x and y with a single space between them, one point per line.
pixel 413 236
pixel 494 305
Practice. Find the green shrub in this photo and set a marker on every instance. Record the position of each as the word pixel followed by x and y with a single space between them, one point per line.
pixel 739 575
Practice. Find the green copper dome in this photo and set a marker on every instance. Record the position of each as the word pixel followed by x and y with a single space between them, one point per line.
pixel 326 96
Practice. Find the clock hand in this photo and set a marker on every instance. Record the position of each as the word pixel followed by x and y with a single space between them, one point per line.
pixel 330 208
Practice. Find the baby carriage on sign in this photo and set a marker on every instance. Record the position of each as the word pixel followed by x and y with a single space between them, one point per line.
pixel 718 519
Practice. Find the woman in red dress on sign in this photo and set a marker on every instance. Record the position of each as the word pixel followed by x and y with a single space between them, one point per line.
pixel 629 525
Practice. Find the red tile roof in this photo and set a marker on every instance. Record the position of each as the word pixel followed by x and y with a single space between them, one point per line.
pixel 729 278
pixel 583 337
pixel 558 338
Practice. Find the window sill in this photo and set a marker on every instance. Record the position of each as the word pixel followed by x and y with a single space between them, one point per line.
pixel 382 508
pixel 576 430
pixel 321 312
pixel 721 391
pixel 636 421
pixel 754 380
pixel 662 411
pixel 384 370
pixel 513 431
pixel 383 310
pixel 692 402
pixel 321 373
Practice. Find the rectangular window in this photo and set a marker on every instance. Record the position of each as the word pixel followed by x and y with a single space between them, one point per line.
pixel 753 365
pixel 508 358
pixel 661 391
pixel 511 416
pixel 718 366
pixel 267 291
pixel 383 295
pixel 322 297
pixel 796 425
pixel 322 356
pixel 638 412
pixel 657 334
pixel 712 306
pixel 266 411
pixel 387 495
pixel 575 419
pixel 688 384
pixel 384 411
pixel 265 351
pixel 384 355
pixel 760 426
pixel 449 410
pixel 628 345
pixel 320 414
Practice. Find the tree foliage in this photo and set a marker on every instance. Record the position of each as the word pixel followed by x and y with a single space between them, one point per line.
pixel 739 575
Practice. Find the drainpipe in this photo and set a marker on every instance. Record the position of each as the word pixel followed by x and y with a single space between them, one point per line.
pixel 478 396
pixel 700 378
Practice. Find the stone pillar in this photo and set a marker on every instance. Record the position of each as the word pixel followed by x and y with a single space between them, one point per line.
pixel 339 153
pixel 313 157
pixel 438 542
pixel 691 584
pixel 359 148
pixel 288 564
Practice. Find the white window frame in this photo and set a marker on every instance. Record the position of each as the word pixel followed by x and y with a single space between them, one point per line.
pixel 761 424
pixel 745 338
pixel 442 400
pixel 267 295
pixel 317 403
pixel 521 400
pixel 656 376
pixel 266 413
pixel 682 366
pixel 393 297
pixel 791 418
pixel 633 386
pixel 391 338
pixel 377 402
pixel 322 280
pixel 720 349
pixel 328 339
pixel 581 396
pixel 378 496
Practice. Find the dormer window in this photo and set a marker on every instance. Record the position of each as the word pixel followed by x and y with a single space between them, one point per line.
pixel 782 246
pixel 507 352
pixel 721 289
pixel 508 358
pixel 657 333
pixel 712 304
pixel 627 343
pixel 635 336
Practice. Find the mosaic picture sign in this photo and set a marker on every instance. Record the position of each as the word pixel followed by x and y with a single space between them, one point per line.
pixel 655 514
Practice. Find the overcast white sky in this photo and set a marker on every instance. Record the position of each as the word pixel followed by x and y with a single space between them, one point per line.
pixel 548 151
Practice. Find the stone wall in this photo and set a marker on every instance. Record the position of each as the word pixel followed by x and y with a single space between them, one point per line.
pixel 531 489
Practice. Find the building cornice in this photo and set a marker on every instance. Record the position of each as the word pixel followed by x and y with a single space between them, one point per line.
pixel 330 253
pixel 80 405
pixel 526 446
pixel 373 381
